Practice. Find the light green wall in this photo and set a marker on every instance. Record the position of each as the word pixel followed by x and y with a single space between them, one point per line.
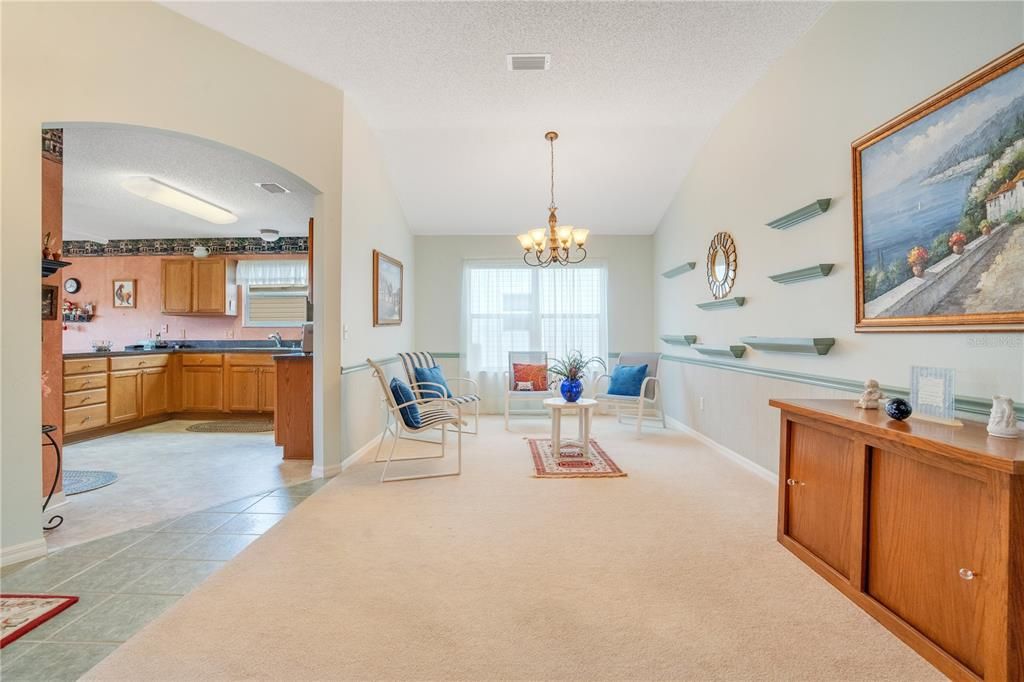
pixel 785 144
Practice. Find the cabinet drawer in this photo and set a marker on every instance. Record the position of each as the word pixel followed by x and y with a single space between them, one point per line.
pixel 249 359
pixel 85 366
pixel 82 398
pixel 137 362
pixel 84 381
pixel 202 360
pixel 84 418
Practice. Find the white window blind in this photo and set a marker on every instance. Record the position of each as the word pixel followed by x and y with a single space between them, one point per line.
pixel 515 307
pixel 275 306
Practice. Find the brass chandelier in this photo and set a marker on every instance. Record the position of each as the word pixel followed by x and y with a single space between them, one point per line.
pixel 542 247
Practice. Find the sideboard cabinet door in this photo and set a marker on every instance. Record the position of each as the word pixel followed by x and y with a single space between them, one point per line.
pixel 927 534
pixel 818 494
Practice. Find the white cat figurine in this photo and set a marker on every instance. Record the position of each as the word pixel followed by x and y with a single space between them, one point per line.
pixel 1003 422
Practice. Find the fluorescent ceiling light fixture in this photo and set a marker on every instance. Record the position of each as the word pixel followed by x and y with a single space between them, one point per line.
pixel 171 197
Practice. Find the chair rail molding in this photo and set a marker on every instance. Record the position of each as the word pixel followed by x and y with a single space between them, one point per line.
pixel 964 404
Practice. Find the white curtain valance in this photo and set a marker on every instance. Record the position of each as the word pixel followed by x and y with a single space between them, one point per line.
pixel 273 272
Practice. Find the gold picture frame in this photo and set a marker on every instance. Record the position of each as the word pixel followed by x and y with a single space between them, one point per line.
pixel 893 274
pixel 123 293
pixel 388 290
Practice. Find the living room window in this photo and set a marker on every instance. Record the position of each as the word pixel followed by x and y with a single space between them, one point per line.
pixel 509 306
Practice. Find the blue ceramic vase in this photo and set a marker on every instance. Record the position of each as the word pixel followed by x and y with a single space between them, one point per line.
pixel 572 389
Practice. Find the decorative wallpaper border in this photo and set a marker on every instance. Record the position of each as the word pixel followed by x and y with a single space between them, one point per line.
pixel 218 246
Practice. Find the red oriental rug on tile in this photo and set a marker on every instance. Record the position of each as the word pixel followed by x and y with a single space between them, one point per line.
pixel 571 462
pixel 20 613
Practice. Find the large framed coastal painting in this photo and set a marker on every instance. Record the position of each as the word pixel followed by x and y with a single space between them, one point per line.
pixel 939 209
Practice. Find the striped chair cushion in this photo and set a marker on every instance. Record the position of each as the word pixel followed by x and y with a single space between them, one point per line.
pixel 435 417
pixel 468 398
pixel 410 361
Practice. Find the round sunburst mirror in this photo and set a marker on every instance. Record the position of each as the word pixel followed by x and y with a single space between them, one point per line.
pixel 721 264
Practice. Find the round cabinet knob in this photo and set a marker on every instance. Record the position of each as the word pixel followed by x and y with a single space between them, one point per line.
pixel 967 574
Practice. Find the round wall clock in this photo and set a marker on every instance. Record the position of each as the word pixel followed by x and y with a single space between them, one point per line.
pixel 72 285
pixel 721 264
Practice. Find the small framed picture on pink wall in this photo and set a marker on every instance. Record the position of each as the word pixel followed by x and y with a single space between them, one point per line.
pixel 124 293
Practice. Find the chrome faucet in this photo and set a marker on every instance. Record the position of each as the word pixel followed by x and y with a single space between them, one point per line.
pixel 276 338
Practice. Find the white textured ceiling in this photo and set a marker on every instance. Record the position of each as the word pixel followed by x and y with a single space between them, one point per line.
pixel 634 88
pixel 97 158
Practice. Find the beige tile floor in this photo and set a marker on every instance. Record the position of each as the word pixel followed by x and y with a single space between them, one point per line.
pixel 123 581
pixel 164 472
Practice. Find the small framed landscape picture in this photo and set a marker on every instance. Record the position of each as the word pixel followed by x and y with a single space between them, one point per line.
pixel 387 290
pixel 124 293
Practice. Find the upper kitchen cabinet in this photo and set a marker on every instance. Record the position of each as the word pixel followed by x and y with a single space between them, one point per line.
pixel 198 286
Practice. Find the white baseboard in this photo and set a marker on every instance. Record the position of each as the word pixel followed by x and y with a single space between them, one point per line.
pixel 747 464
pixel 358 454
pixel 325 472
pixel 15 554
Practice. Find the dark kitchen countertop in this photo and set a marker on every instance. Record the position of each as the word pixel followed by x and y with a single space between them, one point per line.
pixel 206 349
pixel 294 355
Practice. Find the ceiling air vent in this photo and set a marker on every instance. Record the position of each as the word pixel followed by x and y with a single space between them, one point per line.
pixel 272 187
pixel 528 62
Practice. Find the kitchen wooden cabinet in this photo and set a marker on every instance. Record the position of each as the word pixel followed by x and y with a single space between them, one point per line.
pixel 198 286
pixel 293 416
pixel 176 286
pixel 155 391
pixel 250 382
pixel 202 388
pixel 920 524
pixel 124 396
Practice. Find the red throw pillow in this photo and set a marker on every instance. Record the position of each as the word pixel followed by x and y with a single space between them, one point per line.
pixel 535 374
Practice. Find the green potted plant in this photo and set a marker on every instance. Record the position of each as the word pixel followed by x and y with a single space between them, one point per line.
pixel 571 369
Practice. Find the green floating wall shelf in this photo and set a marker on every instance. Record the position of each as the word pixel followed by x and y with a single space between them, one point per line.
pixel 803 274
pixel 684 340
pixel 725 351
pixel 819 346
pixel 723 304
pixel 679 269
pixel 800 215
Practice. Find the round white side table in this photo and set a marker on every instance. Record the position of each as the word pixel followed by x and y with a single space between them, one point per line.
pixel 585 408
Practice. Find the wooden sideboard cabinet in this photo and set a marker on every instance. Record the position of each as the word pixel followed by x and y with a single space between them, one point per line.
pixel 920 524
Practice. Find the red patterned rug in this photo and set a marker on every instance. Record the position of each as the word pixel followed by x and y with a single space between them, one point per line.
pixel 20 613
pixel 571 462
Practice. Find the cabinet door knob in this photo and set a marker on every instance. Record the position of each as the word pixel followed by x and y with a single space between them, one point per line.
pixel 968 574
pixel 793 481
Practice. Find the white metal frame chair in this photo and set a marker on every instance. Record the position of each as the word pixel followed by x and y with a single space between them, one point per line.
pixel 410 361
pixel 648 403
pixel 531 357
pixel 432 417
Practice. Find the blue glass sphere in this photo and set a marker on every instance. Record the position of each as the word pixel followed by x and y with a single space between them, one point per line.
pixel 898 408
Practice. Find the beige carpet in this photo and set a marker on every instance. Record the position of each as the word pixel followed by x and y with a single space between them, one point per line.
pixel 671 573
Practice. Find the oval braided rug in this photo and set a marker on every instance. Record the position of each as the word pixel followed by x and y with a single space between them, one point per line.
pixel 233 426
pixel 79 481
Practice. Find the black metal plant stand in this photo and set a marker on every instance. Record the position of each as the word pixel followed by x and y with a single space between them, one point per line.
pixel 56 519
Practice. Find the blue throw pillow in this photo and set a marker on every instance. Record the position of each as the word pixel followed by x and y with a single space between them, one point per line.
pixel 432 375
pixel 627 379
pixel 403 394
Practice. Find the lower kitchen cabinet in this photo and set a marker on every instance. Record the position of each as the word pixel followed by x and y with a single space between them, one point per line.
pixel 124 396
pixel 155 391
pixel 202 389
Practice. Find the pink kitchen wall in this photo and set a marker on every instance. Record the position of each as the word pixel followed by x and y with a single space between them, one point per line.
pixel 125 326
